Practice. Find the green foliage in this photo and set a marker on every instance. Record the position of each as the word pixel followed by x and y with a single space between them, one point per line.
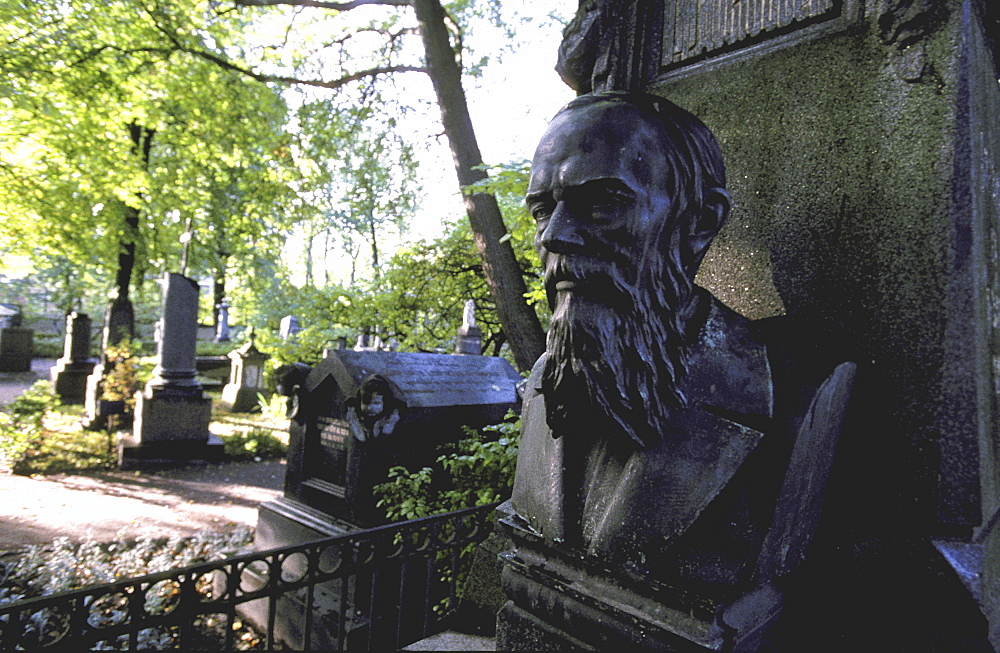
pixel 48 345
pixel 474 471
pixel 128 374
pixel 272 408
pixel 63 446
pixel 256 444
pixel 21 421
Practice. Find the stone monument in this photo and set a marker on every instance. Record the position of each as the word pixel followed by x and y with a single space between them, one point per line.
pixel 119 324
pixel 17 343
pixel 69 376
pixel 470 337
pixel 862 143
pixel 353 416
pixel 222 330
pixel 172 413
pixel 358 413
pixel 288 327
pixel 246 378
pixel 674 454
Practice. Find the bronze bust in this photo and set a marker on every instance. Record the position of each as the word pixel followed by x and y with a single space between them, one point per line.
pixel 666 438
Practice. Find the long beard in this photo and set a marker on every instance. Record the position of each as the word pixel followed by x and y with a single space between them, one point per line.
pixel 615 360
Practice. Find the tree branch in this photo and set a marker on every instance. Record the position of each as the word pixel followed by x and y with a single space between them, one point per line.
pixel 281 79
pixel 338 6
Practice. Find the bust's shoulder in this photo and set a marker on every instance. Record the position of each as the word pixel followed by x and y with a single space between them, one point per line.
pixel 728 367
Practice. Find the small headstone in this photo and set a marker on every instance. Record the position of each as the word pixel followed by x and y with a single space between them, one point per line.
pixel 69 376
pixel 246 379
pixel 10 315
pixel 288 327
pixel 470 338
pixel 17 343
pixel 222 331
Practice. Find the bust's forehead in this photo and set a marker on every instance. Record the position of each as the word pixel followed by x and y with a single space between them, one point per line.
pixel 608 139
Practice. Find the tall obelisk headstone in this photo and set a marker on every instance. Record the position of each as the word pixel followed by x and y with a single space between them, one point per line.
pixel 172 413
pixel 69 376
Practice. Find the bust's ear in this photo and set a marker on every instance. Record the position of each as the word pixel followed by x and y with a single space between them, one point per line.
pixel 714 211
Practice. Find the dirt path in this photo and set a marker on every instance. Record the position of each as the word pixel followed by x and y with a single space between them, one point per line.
pixel 13 384
pixel 109 505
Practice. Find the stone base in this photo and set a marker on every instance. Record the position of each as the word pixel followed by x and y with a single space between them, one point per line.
pixel 94 418
pixel 560 601
pixel 172 414
pixel 286 522
pixel 70 379
pixel 239 399
pixel 135 454
pixel 17 347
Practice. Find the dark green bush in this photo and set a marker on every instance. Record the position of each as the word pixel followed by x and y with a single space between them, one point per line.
pixel 474 471
pixel 255 444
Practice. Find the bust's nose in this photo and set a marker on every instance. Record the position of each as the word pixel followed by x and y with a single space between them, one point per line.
pixel 562 233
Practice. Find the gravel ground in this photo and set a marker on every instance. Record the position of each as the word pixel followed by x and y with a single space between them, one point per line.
pixel 114 504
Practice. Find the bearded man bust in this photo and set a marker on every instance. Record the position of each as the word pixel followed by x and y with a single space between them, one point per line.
pixel 673 453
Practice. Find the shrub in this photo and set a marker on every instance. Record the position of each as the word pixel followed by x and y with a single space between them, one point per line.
pixel 48 345
pixel 21 422
pixel 255 444
pixel 124 379
pixel 474 471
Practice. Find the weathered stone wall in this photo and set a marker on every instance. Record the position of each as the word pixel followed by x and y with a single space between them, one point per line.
pixel 849 164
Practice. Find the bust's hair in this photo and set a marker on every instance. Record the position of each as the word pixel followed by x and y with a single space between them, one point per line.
pixel 695 160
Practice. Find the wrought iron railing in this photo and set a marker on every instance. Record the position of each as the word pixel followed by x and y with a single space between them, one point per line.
pixel 377 589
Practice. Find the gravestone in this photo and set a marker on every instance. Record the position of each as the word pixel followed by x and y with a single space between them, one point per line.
pixel 173 412
pixel 17 343
pixel 357 414
pixel 10 315
pixel 353 416
pixel 288 327
pixel 246 378
pixel 861 140
pixel 470 337
pixel 222 330
pixel 119 324
pixel 69 376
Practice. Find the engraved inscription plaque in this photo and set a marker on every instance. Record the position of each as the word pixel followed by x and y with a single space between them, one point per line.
pixel 334 436
pixel 695 27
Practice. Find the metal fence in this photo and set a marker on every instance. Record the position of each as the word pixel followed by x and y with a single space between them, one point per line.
pixel 378 589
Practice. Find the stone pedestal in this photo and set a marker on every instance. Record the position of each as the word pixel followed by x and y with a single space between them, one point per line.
pixel 17 347
pixel 172 414
pixel 69 376
pixel 561 600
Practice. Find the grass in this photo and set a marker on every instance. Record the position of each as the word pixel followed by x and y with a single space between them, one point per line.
pixel 64 446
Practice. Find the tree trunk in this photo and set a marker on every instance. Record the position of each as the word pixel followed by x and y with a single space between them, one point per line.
pixel 503 274
pixel 219 290
pixel 119 319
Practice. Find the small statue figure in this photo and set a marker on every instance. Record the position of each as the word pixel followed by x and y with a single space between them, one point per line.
pixel 665 437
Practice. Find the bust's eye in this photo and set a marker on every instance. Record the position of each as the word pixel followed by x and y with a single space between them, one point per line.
pixel 541 209
pixel 607 199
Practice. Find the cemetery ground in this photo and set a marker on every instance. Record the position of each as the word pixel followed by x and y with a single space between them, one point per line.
pixel 72 493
